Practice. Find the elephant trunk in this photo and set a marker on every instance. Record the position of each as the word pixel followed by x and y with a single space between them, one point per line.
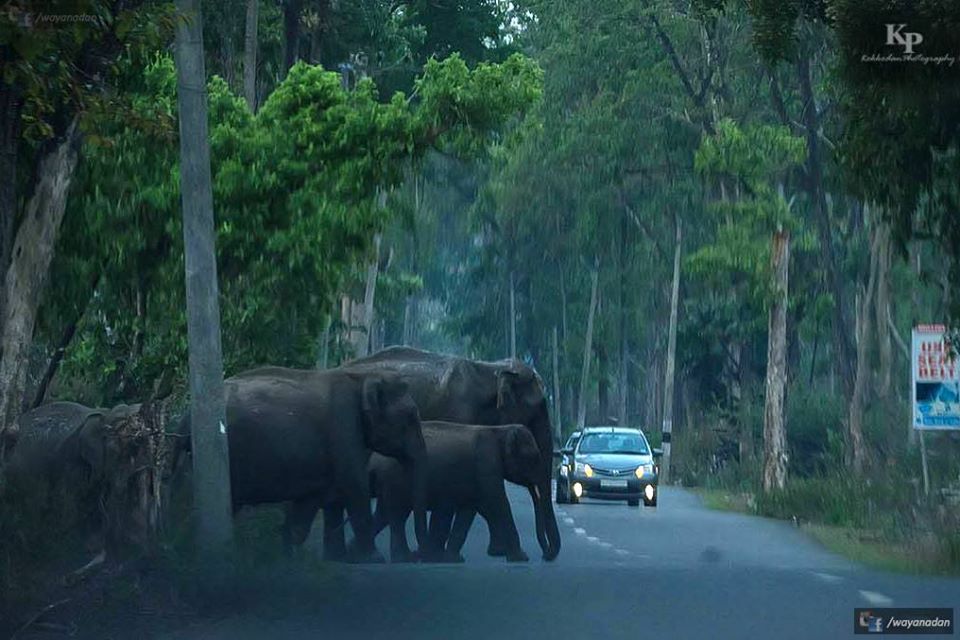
pixel 548 533
pixel 418 470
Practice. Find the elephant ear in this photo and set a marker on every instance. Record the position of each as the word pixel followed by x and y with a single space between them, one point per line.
pixel 506 379
pixel 371 400
pixel 92 443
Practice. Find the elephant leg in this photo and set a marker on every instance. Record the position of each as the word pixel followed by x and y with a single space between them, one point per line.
pixel 334 539
pixel 298 522
pixel 363 548
pixel 458 535
pixel 497 546
pixel 399 549
pixel 440 520
pixel 496 509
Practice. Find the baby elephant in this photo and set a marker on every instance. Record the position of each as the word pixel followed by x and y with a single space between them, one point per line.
pixel 466 467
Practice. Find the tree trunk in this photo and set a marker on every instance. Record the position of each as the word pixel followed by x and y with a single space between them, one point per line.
pixel 324 359
pixel 588 347
pixel 61 349
pixel 558 421
pixel 843 350
pixel 513 317
pixel 856 447
pixel 10 106
pixel 671 360
pixel 26 276
pixel 884 342
pixel 291 32
pixel 774 428
pixel 603 386
pixel 624 351
pixel 211 462
pixel 250 55
pixel 369 295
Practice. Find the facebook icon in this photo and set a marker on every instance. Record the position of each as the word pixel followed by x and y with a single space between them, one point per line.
pixel 874 625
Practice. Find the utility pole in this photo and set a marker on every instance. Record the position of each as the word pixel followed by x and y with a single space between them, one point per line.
pixel 671 361
pixel 211 462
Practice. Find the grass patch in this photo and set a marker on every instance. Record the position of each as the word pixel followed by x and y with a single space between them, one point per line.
pixel 722 500
pixel 924 555
pixel 900 550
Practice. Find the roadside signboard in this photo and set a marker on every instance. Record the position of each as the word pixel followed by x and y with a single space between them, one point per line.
pixel 936 380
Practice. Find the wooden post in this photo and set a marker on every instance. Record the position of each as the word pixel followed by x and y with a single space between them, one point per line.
pixel 923 462
pixel 211 462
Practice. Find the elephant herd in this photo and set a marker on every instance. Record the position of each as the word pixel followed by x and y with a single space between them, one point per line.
pixel 422 433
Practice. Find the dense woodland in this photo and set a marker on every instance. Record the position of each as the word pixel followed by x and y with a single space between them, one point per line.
pixel 701 213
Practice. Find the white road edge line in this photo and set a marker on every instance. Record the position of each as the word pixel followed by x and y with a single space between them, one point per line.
pixel 876 599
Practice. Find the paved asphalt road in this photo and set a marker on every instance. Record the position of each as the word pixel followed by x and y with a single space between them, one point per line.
pixel 678 571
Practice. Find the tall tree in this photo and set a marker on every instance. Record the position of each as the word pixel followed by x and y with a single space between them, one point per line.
pixel 211 462
pixel 250 48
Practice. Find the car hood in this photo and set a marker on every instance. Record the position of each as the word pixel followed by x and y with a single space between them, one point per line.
pixel 613 461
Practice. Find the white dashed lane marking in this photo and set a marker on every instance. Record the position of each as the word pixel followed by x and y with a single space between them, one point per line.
pixel 568 520
pixel 580 532
pixel 827 577
pixel 876 599
pixel 593 539
pixel 606 545
pixel 622 552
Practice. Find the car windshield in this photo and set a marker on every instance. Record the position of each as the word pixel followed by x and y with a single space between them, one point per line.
pixel 613 443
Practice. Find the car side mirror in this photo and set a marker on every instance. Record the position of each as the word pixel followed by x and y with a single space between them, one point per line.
pixel 657 452
pixel 568 451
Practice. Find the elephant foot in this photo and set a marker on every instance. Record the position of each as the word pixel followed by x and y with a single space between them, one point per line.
pixel 334 555
pixel 517 556
pixel 402 556
pixel 431 556
pixel 496 550
pixel 372 556
pixel 452 557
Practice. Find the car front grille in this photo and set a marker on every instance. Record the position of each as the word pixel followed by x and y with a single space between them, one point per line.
pixel 614 473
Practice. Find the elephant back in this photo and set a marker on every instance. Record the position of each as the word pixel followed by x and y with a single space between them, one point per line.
pixel 43 433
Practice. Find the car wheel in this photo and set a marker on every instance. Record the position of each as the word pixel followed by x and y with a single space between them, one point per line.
pixel 650 503
pixel 633 503
pixel 562 494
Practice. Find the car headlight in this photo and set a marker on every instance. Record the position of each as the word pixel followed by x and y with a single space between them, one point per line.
pixel 587 470
pixel 643 470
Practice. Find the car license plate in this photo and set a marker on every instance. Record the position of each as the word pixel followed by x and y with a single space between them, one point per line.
pixel 614 484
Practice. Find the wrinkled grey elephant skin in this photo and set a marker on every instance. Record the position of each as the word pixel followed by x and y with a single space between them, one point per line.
pixel 466 468
pixel 458 390
pixel 73 450
pixel 304 437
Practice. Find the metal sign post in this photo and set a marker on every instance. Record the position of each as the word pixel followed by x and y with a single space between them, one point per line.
pixel 935 387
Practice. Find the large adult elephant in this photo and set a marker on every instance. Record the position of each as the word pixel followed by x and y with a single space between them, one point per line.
pixel 68 451
pixel 304 437
pixel 459 390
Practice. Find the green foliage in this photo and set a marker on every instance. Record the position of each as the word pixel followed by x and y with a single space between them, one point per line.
pixel 745 164
pixel 294 191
